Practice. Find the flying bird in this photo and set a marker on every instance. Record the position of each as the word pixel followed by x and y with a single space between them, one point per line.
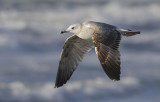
pixel 104 37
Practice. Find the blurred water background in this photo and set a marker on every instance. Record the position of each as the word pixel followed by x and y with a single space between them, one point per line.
pixel 30 46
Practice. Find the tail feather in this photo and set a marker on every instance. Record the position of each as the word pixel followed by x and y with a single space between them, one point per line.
pixel 128 32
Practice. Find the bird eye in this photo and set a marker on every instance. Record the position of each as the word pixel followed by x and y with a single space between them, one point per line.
pixel 72 27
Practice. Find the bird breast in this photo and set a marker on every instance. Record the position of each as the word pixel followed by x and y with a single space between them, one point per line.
pixel 86 33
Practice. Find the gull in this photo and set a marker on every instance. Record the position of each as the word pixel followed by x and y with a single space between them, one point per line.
pixel 104 37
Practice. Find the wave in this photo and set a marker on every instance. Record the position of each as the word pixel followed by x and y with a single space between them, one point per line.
pixel 80 90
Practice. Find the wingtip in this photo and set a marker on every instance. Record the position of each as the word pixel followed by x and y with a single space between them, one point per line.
pixel 58 85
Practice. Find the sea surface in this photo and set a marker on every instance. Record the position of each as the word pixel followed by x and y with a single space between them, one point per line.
pixel 31 44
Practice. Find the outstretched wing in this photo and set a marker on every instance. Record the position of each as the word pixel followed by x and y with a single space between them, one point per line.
pixel 106 47
pixel 73 51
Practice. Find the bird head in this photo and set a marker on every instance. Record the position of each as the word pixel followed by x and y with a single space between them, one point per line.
pixel 74 29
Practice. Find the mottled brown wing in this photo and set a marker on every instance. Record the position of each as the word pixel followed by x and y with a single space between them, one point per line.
pixel 73 51
pixel 106 47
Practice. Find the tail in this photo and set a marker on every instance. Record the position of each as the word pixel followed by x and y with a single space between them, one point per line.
pixel 128 32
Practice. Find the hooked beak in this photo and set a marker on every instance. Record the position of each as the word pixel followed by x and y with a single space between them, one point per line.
pixel 64 31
